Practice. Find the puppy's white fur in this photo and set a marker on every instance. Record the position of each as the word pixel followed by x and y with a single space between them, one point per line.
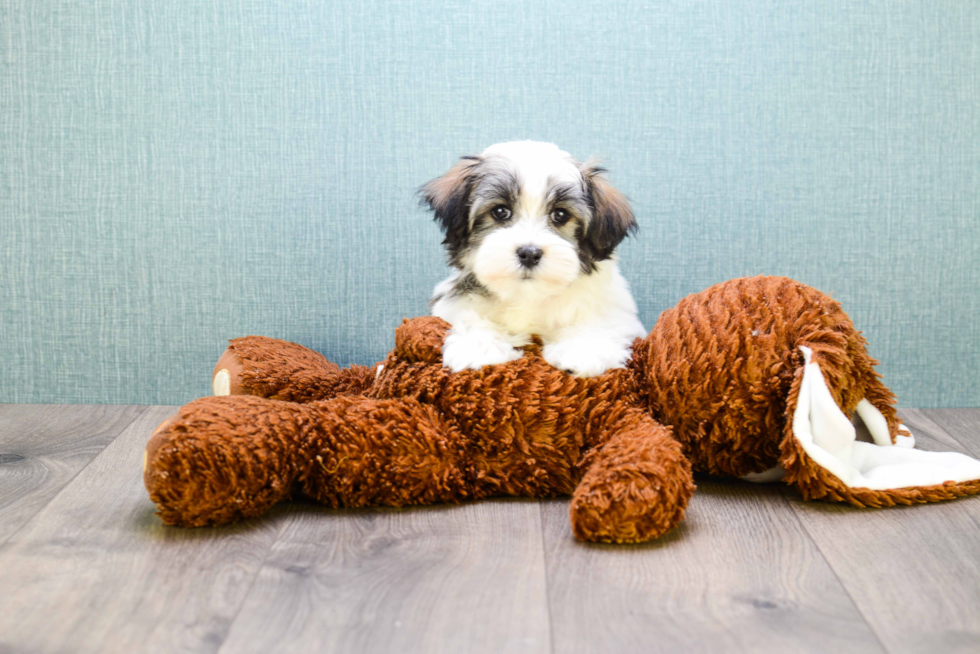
pixel 574 298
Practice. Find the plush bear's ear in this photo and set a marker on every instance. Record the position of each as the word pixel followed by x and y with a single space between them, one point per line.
pixel 612 217
pixel 449 198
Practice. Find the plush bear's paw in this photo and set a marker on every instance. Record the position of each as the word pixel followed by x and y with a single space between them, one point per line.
pixel 585 357
pixel 420 340
pixel 226 377
pixel 628 508
pixel 221 459
pixel 636 488
pixel 273 368
pixel 476 348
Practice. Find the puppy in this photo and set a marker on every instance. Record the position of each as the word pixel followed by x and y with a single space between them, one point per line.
pixel 531 234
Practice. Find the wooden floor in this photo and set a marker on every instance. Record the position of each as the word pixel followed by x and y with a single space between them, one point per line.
pixel 86 566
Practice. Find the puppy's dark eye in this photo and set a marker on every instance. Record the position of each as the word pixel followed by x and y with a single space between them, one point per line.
pixel 559 217
pixel 500 214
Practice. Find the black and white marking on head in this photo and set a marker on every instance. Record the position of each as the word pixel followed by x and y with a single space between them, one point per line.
pixel 611 221
pixel 498 185
pixel 482 193
pixel 448 197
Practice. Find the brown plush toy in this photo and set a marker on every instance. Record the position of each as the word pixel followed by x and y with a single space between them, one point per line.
pixel 751 378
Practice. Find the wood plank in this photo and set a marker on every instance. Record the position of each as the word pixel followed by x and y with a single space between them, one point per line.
pixel 914 572
pixel 96 571
pixel 961 424
pixel 464 578
pixel 739 574
pixel 42 448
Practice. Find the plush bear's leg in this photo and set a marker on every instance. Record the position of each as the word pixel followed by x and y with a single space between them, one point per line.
pixel 637 485
pixel 268 367
pixel 222 459
pixel 397 452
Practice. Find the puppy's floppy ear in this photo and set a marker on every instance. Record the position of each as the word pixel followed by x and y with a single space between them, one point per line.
pixel 449 198
pixel 612 217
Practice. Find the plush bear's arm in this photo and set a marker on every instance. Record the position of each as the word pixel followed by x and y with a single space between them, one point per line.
pixel 419 340
pixel 637 484
pixel 268 367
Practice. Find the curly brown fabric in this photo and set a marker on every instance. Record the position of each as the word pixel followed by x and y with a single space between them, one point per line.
pixel 422 434
pixel 718 367
pixel 268 367
pixel 223 459
pixel 420 340
pixel 637 485
pixel 712 388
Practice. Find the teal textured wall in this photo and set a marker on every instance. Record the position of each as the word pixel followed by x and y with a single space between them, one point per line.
pixel 175 173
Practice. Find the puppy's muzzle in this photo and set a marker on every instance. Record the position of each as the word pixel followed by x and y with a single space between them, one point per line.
pixel 529 256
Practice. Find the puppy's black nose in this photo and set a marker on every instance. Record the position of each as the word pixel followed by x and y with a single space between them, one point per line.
pixel 529 256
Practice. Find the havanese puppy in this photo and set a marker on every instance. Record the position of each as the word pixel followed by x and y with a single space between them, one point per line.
pixel 531 234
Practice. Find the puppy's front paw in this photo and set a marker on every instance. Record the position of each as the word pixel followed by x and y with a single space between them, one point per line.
pixel 476 349
pixel 584 357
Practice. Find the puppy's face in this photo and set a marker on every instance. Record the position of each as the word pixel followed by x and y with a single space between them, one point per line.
pixel 526 219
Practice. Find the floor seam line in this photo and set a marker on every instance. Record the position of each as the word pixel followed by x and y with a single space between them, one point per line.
pixel 965 449
pixel 857 607
pixel 258 570
pixel 968 450
pixel 547 579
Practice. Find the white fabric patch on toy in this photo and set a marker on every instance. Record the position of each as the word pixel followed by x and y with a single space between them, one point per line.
pixel 221 383
pixel 904 441
pixel 829 438
pixel 874 421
